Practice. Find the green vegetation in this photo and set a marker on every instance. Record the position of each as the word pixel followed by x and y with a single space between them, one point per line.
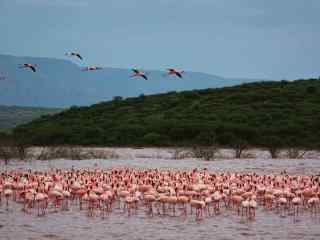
pixel 272 115
pixel 11 116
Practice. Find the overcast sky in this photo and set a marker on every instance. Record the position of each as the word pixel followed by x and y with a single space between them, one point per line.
pixel 270 39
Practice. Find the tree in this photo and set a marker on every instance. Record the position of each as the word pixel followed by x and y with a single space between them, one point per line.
pixel 117 98
pixel 208 151
pixel 239 145
pixel 243 136
pixel 154 139
pixel 5 145
pixel 205 138
pixel 273 144
pixel 237 117
pixel 11 148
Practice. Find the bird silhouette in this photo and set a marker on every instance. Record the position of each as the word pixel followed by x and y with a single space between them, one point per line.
pixel 30 66
pixel 92 68
pixel 172 71
pixel 74 54
pixel 138 73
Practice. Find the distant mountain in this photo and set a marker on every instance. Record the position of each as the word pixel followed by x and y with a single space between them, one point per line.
pixel 61 83
pixel 11 116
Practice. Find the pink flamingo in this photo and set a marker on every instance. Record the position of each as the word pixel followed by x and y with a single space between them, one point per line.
pixel 41 200
pixel 314 203
pixel 7 193
pixel 172 71
pixel 252 208
pixel 30 66
pixel 138 73
pixel 92 68
pixel 149 200
pixel 74 54
pixel 97 190
pixel 199 206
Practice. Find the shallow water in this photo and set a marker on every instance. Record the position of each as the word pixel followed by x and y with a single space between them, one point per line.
pixel 14 224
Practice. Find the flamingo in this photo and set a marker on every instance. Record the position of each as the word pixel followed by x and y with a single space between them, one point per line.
pixel 93 202
pixel 172 71
pixel 199 206
pixel 252 208
pixel 66 195
pixel 183 200
pixel 172 201
pixel 296 201
pixel 7 193
pixel 30 66
pixel 314 203
pixel 29 198
pixel 92 68
pixel 245 204
pixel 149 199
pixel 41 199
pixel 98 189
pixel 130 203
pixel 216 197
pixel 138 73
pixel 282 203
pixel 74 54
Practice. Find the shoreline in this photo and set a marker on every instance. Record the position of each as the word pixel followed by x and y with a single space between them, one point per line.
pixel 170 153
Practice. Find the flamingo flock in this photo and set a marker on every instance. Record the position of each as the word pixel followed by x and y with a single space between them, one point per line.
pixel 136 72
pixel 164 193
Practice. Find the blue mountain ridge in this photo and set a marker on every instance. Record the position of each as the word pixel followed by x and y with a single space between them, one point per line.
pixel 61 83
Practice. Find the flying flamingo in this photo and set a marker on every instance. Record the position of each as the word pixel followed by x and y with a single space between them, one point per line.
pixel 172 71
pixel 92 68
pixel 74 54
pixel 29 65
pixel 138 73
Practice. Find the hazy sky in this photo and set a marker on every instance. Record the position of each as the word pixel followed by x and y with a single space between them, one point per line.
pixel 271 39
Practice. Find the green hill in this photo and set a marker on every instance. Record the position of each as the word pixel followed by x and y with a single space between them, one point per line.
pixel 265 114
pixel 11 116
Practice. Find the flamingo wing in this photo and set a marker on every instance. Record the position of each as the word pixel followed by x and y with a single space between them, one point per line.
pixel 144 76
pixel 79 56
pixel 179 74
pixel 33 68
pixel 135 70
